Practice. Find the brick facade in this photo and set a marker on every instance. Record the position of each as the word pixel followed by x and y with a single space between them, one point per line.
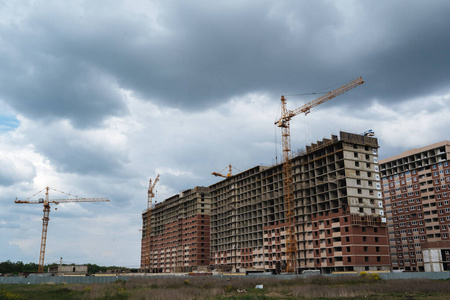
pixel 179 239
pixel 416 190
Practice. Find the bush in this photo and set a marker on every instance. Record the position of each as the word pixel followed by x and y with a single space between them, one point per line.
pixel 375 277
pixel 363 275
pixel 9 295
pixel 369 277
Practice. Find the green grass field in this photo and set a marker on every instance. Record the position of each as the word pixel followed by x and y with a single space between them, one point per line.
pixel 236 288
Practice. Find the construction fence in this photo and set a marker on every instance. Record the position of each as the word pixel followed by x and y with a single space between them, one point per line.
pixel 108 279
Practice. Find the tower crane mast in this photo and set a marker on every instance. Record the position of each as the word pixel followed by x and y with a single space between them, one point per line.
pixel 46 202
pixel 284 123
pixel 150 196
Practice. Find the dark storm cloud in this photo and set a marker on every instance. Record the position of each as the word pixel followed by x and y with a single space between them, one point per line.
pixel 42 82
pixel 412 57
pixel 401 48
pixel 207 53
pixel 62 89
pixel 70 61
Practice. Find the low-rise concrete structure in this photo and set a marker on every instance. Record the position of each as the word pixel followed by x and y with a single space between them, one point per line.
pixel 68 270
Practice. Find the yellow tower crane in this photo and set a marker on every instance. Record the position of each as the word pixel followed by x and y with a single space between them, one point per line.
pixel 229 174
pixel 150 196
pixel 150 193
pixel 46 202
pixel 283 122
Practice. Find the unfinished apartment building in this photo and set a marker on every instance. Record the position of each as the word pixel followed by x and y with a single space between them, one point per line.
pixel 416 188
pixel 177 239
pixel 340 222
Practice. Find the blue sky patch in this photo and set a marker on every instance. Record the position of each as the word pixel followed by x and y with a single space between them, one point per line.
pixel 8 123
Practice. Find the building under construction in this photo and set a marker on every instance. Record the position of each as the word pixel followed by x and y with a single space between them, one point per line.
pixel 339 214
pixel 177 239
pixel 416 187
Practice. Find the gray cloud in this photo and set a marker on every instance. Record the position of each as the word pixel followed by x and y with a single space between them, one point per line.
pixel 15 171
pixel 83 152
pixel 70 64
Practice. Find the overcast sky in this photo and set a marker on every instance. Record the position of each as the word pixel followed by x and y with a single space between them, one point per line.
pixel 96 97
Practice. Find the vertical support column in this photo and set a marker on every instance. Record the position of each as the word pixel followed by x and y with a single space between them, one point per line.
pixel 291 244
pixel 44 237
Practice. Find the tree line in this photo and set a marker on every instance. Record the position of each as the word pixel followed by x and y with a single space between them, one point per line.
pixel 9 267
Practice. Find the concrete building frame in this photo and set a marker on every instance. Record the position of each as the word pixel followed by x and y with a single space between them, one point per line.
pixel 340 219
